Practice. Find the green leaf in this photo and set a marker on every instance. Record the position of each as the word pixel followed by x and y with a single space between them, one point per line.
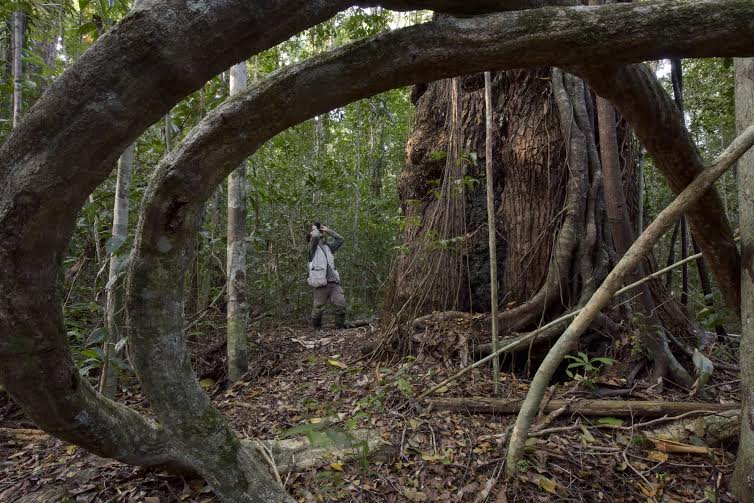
pixel 87 28
pixel 121 344
pixel 84 371
pixel 610 421
pixel 438 155
pixel 207 383
pixel 405 387
pixel 94 353
pixel 336 363
pixel 97 336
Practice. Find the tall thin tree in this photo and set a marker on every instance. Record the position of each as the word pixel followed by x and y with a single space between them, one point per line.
pixel 115 298
pixel 237 314
pixel 19 18
pixel 701 267
pixel 491 228
pixel 676 74
pixel 619 222
pixel 743 476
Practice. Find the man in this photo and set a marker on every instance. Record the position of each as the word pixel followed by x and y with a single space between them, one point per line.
pixel 323 276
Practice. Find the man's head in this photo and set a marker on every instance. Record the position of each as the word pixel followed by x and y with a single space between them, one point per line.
pixel 314 232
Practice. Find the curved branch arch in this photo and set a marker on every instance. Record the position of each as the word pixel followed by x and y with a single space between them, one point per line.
pixel 49 165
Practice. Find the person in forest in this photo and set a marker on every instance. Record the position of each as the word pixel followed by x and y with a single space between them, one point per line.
pixel 323 276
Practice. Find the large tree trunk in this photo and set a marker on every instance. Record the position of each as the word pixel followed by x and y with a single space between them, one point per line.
pixel 743 477
pixel 549 204
pixel 529 188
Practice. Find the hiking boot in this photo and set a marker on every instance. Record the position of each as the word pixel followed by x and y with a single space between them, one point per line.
pixel 340 320
pixel 317 321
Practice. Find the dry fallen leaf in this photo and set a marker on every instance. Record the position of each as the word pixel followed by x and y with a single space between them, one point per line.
pixel 658 456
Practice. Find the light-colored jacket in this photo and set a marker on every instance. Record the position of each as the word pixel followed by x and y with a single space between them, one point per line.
pixel 318 267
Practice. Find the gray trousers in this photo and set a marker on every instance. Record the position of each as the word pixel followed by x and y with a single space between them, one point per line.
pixel 332 293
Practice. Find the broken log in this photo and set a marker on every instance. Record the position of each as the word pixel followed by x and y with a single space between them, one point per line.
pixel 296 454
pixel 644 408
pixel 714 429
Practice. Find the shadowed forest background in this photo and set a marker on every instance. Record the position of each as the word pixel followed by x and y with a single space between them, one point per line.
pixel 401 175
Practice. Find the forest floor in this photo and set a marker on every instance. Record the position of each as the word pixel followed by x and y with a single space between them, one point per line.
pixel 320 381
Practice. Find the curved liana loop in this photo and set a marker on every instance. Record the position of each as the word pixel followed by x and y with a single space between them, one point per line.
pixel 132 76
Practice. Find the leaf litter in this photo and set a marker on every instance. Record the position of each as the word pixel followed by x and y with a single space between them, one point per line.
pixel 319 384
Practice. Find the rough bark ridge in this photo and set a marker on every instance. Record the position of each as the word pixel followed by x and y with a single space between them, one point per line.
pixel 548 212
pixel 157 55
pixel 434 272
pixel 529 182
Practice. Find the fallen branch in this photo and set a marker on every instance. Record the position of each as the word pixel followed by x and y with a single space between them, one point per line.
pixel 23 434
pixel 292 454
pixel 362 323
pixel 638 408
pixel 610 287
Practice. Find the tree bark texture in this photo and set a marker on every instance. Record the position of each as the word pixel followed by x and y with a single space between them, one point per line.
pixel 743 476
pixel 158 54
pixel 115 310
pixel 237 307
pixel 529 189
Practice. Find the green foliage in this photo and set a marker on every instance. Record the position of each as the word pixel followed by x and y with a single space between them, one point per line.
pixel 710 117
pixel 340 168
pixel 590 367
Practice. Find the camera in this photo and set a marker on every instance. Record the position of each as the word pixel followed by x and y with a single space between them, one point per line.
pixel 318 225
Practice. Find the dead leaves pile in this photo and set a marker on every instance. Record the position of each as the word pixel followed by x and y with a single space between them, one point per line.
pixel 321 382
